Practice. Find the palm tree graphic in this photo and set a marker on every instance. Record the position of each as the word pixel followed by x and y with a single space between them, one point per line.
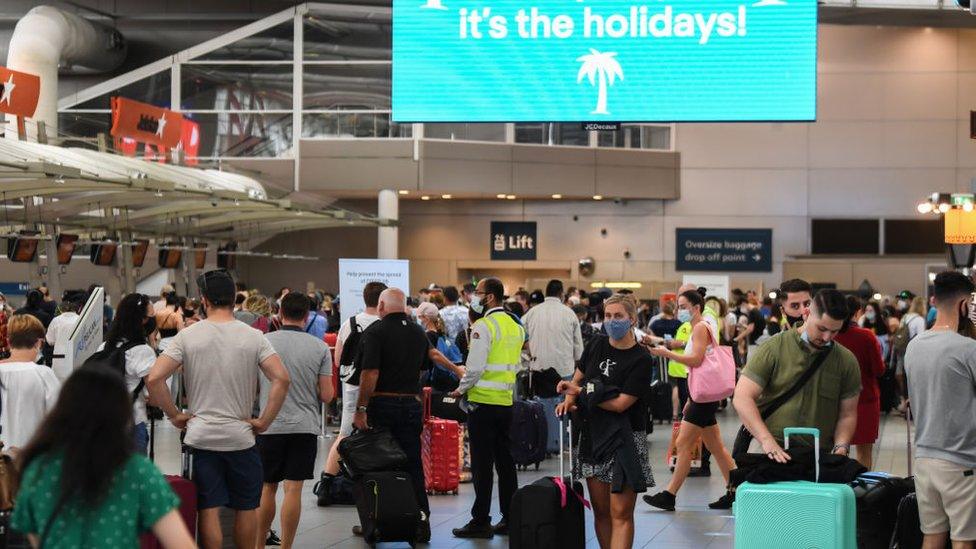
pixel 600 67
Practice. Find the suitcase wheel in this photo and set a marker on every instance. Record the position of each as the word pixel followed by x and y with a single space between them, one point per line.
pixel 455 492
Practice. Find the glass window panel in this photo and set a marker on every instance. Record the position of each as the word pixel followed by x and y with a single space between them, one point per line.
pixel 353 125
pixel 466 132
pixel 237 87
pixel 274 44
pixel 532 133
pixel 152 89
pixel 333 87
pixel 570 134
pixel 656 137
pixel 330 37
pixel 84 125
pixel 243 134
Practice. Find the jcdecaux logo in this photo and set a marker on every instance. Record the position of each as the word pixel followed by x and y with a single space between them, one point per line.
pixel 596 60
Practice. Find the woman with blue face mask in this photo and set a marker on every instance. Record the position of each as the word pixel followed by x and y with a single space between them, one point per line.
pixel 619 369
pixel 699 417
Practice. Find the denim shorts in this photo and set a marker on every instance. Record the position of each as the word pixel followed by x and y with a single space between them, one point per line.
pixel 228 479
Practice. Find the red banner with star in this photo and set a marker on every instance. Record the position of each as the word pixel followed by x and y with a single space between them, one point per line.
pixel 146 123
pixel 18 95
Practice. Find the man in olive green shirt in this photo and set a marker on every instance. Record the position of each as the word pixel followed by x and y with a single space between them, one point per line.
pixel 828 401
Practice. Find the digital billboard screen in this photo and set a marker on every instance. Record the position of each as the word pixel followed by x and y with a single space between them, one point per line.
pixel 604 60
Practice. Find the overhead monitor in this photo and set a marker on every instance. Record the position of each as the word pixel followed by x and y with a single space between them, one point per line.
pixel 604 61
pixel 66 247
pixel 103 253
pixel 225 260
pixel 200 255
pixel 170 258
pixel 139 252
pixel 23 247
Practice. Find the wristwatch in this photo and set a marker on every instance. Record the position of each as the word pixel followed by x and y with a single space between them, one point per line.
pixel 361 409
pixel 846 447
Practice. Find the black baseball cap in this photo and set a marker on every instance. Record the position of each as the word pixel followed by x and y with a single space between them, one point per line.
pixel 218 287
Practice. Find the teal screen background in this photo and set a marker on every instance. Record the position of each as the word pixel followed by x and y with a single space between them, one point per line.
pixel 767 74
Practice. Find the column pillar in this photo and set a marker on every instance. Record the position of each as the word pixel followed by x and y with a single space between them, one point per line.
pixel 54 285
pixel 388 207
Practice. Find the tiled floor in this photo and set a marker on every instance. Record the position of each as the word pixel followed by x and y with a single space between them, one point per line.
pixel 691 526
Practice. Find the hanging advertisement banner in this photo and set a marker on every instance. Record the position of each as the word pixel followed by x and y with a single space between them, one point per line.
pixel 355 274
pixel 19 92
pixel 146 123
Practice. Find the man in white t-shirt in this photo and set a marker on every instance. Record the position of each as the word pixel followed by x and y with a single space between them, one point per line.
pixel 349 374
pixel 59 332
pixel 222 358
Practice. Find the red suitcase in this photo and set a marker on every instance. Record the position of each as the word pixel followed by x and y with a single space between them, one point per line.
pixel 441 439
pixel 187 492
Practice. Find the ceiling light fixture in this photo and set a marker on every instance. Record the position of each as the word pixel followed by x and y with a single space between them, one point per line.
pixel 511 197
pixel 446 196
pixel 425 197
pixel 403 191
pixel 598 197
pixel 501 195
pixel 557 196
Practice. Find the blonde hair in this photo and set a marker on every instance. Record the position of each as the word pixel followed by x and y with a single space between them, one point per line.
pixel 918 306
pixel 628 301
pixel 23 331
pixel 258 304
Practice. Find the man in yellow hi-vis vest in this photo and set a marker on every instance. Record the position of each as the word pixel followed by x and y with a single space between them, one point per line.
pixel 488 385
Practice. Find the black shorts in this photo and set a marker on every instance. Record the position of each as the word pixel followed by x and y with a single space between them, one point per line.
pixel 701 414
pixel 227 479
pixel 288 457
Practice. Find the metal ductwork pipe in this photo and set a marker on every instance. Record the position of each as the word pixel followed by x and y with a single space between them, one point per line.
pixel 48 39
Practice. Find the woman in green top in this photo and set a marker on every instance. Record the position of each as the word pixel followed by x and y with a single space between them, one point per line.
pixel 82 486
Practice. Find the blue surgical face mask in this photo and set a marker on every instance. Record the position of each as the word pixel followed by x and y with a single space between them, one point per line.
pixel 806 339
pixel 870 315
pixel 684 315
pixel 476 304
pixel 617 329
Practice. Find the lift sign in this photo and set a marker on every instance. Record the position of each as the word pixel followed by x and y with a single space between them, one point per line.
pixel 604 60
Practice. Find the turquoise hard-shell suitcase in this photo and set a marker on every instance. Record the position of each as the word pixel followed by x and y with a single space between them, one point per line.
pixel 795 515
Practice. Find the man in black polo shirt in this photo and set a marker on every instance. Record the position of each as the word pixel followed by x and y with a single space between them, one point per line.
pixel 395 350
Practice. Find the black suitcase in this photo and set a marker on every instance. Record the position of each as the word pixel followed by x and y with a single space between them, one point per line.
pixel 387 506
pixel 660 399
pixel 539 519
pixel 529 433
pixel 877 496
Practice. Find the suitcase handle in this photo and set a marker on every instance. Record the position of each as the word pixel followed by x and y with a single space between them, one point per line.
pixel 569 425
pixel 426 399
pixel 811 431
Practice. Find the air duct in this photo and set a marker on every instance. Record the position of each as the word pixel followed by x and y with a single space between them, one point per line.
pixel 48 39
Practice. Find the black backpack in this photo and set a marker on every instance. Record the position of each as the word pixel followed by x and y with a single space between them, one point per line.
pixel 112 357
pixel 351 348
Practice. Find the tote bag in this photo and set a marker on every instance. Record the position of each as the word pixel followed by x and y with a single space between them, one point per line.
pixel 714 379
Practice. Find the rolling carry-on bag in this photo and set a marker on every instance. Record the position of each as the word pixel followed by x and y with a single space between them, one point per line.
pixel 529 433
pixel 440 441
pixel 187 492
pixel 371 451
pixel 660 398
pixel 387 506
pixel 548 514
pixel 787 515
pixel 877 496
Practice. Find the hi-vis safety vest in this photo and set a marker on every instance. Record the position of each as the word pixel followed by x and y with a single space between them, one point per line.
pixel 497 383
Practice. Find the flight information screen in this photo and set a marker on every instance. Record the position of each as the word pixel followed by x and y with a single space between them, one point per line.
pixel 604 60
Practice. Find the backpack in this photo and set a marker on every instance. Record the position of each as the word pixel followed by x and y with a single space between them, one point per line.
pixel 449 350
pixel 113 358
pixel 351 348
pixel 901 337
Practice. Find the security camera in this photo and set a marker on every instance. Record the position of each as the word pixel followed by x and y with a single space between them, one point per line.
pixel 626 254
pixel 603 232
pixel 213 202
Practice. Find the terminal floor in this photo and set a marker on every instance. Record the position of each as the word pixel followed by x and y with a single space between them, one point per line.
pixel 693 525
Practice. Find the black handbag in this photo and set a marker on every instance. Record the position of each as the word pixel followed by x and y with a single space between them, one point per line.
pixel 371 451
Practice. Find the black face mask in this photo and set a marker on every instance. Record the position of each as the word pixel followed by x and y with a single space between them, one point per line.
pixel 793 321
pixel 150 326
